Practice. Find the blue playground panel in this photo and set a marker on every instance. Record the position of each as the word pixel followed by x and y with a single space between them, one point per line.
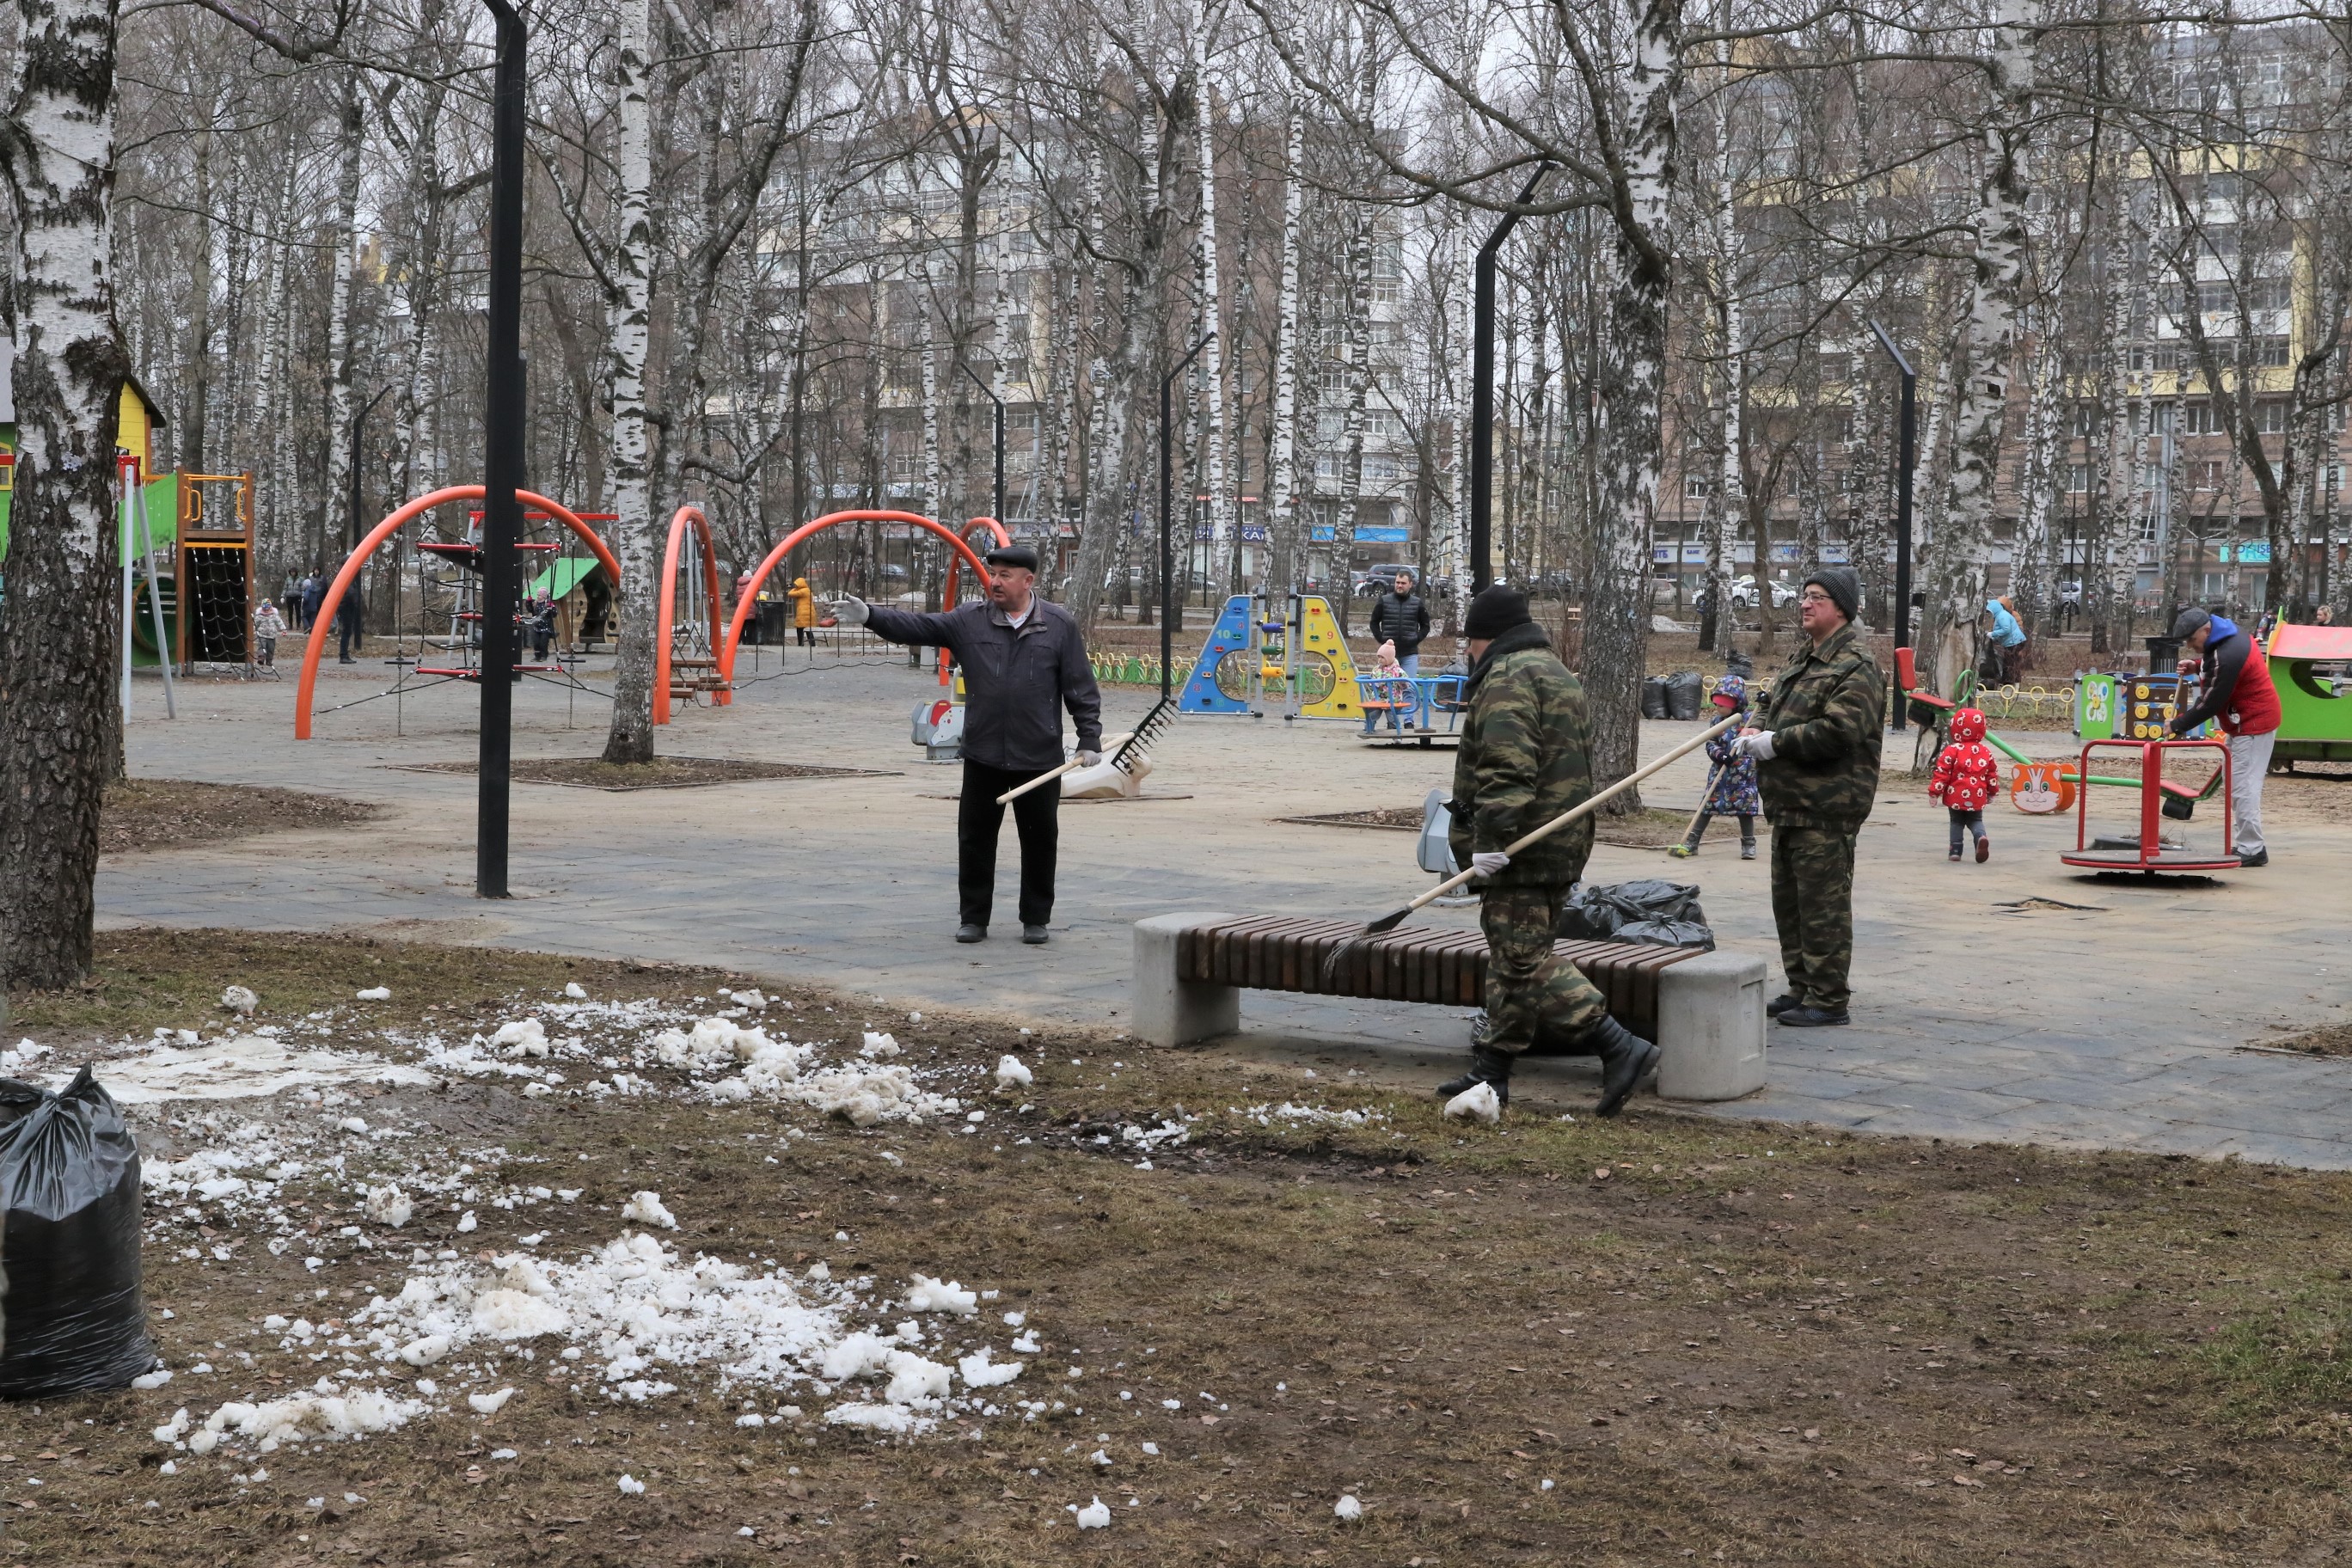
pixel 1231 635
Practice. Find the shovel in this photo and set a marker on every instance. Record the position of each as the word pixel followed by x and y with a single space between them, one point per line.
pixel 1043 779
pixel 1395 918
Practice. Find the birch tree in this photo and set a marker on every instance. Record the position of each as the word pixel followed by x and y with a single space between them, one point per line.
pixel 629 283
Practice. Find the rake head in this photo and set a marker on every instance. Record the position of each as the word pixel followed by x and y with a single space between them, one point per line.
pixel 1163 713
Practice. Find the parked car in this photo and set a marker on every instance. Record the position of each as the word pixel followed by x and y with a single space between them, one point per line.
pixel 1743 593
pixel 1373 580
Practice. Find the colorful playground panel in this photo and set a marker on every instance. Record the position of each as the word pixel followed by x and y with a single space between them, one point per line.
pixel 1326 675
pixel 2126 706
pixel 2311 667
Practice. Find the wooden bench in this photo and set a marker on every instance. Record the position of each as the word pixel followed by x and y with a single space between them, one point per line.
pixel 1705 1009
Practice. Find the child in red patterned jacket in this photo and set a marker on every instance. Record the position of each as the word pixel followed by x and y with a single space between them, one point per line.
pixel 1965 778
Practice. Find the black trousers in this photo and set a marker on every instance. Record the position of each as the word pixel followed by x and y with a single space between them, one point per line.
pixel 979 820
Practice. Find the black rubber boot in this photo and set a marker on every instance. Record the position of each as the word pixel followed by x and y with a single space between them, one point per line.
pixel 1782 1003
pixel 1625 1059
pixel 1486 1066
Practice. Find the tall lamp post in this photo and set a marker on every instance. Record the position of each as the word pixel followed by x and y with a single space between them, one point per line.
pixel 1905 458
pixel 359 422
pixel 502 455
pixel 1167 500
pixel 989 393
pixel 1482 390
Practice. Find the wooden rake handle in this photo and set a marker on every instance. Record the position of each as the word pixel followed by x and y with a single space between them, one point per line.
pixel 1110 742
pixel 1585 808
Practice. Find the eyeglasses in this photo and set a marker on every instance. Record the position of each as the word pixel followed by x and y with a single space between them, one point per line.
pixel 1816 599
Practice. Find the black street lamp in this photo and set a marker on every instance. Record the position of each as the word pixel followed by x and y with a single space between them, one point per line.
pixel 1482 389
pixel 502 455
pixel 991 395
pixel 1905 458
pixel 1167 500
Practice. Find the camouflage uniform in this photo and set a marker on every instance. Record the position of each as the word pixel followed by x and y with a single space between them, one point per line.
pixel 1826 712
pixel 1524 758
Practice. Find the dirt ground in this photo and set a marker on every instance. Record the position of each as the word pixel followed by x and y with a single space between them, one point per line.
pixel 1638 1342
pixel 160 814
pixel 662 772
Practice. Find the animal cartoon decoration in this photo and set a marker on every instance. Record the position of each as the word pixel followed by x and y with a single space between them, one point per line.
pixel 2040 789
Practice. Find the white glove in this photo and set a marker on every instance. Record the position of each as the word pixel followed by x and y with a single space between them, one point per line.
pixel 1486 862
pixel 848 612
pixel 1758 746
pixel 1088 759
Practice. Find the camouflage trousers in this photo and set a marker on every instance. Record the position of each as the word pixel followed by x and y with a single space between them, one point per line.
pixel 1527 988
pixel 1812 903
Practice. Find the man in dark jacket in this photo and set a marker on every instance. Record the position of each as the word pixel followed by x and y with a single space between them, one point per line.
pixel 2238 691
pixel 1023 662
pixel 1400 617
pixel 1815 741
pixel 1524 758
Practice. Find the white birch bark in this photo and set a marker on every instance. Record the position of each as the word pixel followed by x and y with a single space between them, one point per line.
pixel 59 619
pixel 349 146
pixel 630 338
pixel 1213 358
pixel 1283 533
pixel 273 507
pixel 1964 550
pixel 1731 329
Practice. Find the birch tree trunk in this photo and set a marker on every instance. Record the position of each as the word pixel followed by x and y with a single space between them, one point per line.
pixel 1965 548
pixel 1283 537
pixel 339 324
pixel 1631 371
pixel 630 736
pixel 274 540
pixel 2028 582
pixel 1731 329
pixel 1356 338
pixel 1213 358
pixel 60 622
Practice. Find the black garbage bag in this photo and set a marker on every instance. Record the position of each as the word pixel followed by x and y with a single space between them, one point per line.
pixel 1683 689
pixel 70 1312
pixel 1598 912
pixel 1653 697
pixel 1668 933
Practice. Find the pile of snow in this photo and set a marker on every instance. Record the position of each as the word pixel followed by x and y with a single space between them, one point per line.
pixel 24 1055
pixel 1011 1073
pixel 239 999
pixel 376 994
pixel 325 1412
pixel 1094 1516
pixel 1309 1115
pixel 389 1206
pixel 244 1068
pixel 634 1314
pixel 521 1037
pixel 645 1208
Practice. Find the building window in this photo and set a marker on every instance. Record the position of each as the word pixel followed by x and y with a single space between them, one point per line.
pixel 1694 487
pixel 2269 416
pixel 2205 475
pixel 2078 478
pixel 2196 418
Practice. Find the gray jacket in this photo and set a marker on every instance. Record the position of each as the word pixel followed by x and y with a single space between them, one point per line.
pixel 1016 682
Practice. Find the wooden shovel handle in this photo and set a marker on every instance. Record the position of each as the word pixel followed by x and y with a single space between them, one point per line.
pixel 1586 807
pixel 1109 743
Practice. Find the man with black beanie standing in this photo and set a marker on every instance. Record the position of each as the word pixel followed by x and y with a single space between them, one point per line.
pixel 1024 661
pixel 1524 758
pixel 1815 741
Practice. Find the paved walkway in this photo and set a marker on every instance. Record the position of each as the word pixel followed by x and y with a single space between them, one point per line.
pixel 1985 1008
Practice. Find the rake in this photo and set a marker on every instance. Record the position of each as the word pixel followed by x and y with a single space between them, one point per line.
pixel 1163 713
pixel 1341 955
pixel 1019 790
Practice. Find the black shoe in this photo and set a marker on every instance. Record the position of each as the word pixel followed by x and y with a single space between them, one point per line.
pixel 968 931
pixel 1035 936
pixel 1780 1003
pixel 2259 857
pixel 1625 1059
pixel 1488 1066
pixel 1813 1017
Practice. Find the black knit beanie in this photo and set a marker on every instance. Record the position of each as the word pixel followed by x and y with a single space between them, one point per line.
pixel 1843 586
pixel 1496 610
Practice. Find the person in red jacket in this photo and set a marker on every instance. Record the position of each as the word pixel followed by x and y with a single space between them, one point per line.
pixel 1965 778
pixel 2237 692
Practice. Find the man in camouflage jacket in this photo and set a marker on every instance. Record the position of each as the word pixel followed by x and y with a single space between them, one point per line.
pixel 1816 744
pixel 1524 758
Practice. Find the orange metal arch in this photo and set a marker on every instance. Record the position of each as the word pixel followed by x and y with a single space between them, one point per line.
pixel 316 645
pixel 792 541
pixel 955 563
pixel 667 622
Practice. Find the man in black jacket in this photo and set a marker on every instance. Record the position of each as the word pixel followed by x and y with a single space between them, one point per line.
pixel 1023 662
pixel 1400 617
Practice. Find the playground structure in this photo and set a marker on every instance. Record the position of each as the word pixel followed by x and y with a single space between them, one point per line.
pixel 681 671
pixel 1301 659
pixel 2315 695
pixel 2159 798
pixel 465 615
pixel 748 592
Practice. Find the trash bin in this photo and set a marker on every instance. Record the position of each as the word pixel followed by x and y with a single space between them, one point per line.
pixel 1653 697
pixel 2163 654
pixel 1683 694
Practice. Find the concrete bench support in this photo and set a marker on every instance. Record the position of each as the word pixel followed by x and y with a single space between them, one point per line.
pixel 1170 1011
pixel 1711 1028
pixel 1710 1009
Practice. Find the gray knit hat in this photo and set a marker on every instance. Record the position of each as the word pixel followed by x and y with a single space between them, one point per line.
pixel 1841 585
